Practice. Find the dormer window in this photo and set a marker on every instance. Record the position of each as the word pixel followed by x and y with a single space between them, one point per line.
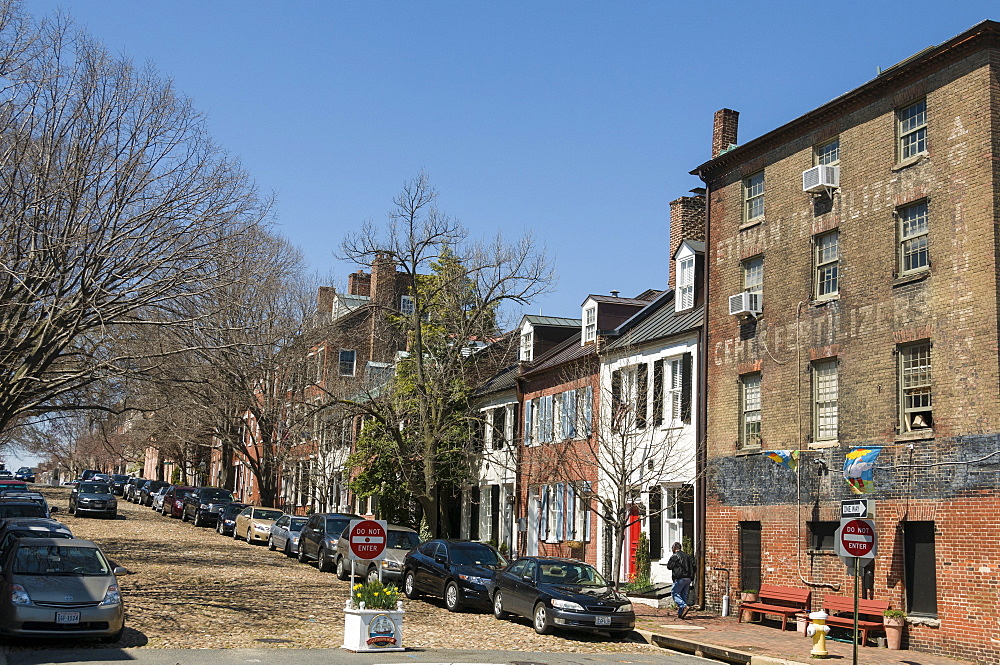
pixel 527 346
pixel 590 324
pixel 685 283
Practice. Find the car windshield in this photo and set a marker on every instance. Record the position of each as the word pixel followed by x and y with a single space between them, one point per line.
pixel 402 540
pixel 119 477
pixel 234 508
pixel 37 533
pixel 180 494
pixel 94 488
pixel 568 573
pixel 264 514
pixel 297 523
pixel 335 526
pixel 59 560
pixel 21 510
pixel 216 495
pixel 474 554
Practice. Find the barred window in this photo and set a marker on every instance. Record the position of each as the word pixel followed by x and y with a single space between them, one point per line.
pixel 912 129
pixel 827 256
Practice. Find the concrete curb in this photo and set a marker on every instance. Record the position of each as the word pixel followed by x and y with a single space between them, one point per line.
pixel 711 651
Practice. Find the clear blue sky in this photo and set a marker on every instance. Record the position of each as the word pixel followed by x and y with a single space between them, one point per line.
pixel 578 120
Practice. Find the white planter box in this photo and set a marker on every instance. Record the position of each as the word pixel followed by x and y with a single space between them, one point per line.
pixel 373 630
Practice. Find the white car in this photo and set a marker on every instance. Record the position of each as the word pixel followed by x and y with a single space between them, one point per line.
pixel 157 500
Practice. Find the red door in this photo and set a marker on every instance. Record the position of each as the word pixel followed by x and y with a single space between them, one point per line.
pixel 634 529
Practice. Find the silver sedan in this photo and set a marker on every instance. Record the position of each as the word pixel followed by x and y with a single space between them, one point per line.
pixel 285 534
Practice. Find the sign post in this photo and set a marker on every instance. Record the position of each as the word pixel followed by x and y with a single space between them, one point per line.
pixel 366 541
pixel 857 545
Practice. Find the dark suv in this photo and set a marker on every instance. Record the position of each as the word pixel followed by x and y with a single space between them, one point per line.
pixel 319 537
pixel 147 491
pixel 173 502
pixel 203 505
pixel 456 570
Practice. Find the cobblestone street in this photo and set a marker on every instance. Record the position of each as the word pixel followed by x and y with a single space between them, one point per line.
pixel 192 588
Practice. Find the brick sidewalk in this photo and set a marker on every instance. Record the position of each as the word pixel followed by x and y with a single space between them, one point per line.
pixel 765 638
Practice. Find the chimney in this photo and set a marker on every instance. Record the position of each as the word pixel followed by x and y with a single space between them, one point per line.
pixel 324 300
pixel 687 222
pixel 359 283
pixel 724 130
pixel 383 280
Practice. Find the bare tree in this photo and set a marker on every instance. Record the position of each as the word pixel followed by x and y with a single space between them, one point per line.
pixel 113 203
pixel 459 289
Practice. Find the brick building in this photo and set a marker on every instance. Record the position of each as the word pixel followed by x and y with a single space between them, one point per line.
pixel 863 313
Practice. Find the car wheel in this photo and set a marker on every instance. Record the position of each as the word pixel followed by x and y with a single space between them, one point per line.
pixel 342 572
pixel 197 519
pixel 184 516
pixel 236 534
pixel 288 548
pixel 452 599
pixel 541 620
pixel 302 554
pixel 270 543
pixel 323 562
pixel 249 535
pixel 372 574
pixel 498 610
pixel 410 586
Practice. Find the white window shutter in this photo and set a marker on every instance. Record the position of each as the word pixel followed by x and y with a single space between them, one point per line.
pixel 587 514
pixel 570 513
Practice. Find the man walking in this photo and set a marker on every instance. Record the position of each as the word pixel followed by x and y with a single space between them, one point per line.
pixel 683 566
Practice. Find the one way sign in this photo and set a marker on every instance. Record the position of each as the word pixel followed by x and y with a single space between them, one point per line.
pixel 857 509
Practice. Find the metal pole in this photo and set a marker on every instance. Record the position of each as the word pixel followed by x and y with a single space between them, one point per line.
pixel 855 640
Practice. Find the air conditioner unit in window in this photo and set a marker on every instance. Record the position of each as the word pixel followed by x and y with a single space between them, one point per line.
pixel 744 304
pixel 821 178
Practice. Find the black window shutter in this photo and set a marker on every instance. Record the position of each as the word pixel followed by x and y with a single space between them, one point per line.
pixel 499 427
pixel 515 423
pixel 495 514
pixel 686 388
pixel 657 393
pixel 655 522
pixel 616 399
pixel 474 514
pixel 641 399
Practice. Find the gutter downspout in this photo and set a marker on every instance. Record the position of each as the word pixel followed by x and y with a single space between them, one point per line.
pixel 701 443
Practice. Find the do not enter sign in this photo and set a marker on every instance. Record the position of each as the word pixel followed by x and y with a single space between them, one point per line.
pixel 856 538
pixel 366 539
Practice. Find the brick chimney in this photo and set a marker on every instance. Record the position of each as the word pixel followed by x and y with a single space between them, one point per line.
pixel 383 281
pixel 324 300
pixel 687 222
pixel 359 283
pixel 724 130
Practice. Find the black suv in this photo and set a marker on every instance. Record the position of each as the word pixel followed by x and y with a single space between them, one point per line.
pixel 456 570
pixel 204 504
pixel 147 491
pixel 319 537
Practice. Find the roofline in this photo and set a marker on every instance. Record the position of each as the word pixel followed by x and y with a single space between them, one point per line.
pixel 894 75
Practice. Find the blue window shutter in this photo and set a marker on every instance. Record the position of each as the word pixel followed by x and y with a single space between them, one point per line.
pixel 560 512
pixel 587 515
pixel 527 422
pixel 570 513
pixel 588 411
pixel 543 519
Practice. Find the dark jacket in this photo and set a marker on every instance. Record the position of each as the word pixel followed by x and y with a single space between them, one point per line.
pixel 682 565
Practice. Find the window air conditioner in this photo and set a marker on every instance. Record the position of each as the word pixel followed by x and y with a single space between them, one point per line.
pixel 821 178
pixel 744 304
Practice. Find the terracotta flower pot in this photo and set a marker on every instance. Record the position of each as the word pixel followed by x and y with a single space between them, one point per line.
pixel 893 631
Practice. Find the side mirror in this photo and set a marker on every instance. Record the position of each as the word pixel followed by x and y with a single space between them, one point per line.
pixel 440 558
pixel 527 579
pixel 121 570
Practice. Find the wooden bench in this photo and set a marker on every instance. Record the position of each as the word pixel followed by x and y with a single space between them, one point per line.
pixel 866 608
pixel 783 601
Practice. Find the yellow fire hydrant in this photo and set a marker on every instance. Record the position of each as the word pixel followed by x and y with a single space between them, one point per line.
pixel 818 630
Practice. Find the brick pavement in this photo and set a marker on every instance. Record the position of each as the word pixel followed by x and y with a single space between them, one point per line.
pixel 766 639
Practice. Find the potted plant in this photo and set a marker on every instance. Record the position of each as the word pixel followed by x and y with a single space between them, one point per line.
pixel 373 618
pixel 748 595
pixel 894 620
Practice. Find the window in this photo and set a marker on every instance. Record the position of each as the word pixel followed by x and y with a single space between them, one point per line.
pixel 527 346
pixel 825 400
pixel 347 359
pixel 913 232
pixel 750 410
pixel 753 197
pixel 589 324
pixel 828 153
pixel 407 305
pixel 753 280
pixel 911 124
pixel 567 415
pixel 529 411
pixel 827 256
pixel 584 411
pixel 915 387
pixel 629 387
pixel 498 431
pixel 674 393
pixel 822 535
pixel 685 283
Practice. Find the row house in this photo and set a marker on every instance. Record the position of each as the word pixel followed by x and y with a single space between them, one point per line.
pixel 852 312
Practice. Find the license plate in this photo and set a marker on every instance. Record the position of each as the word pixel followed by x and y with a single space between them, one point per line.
pixel 67 617
pixel 603 621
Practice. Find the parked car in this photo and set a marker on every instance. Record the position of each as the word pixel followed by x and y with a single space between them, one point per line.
pixel 11 484
pixel 118 481
pixel 203 505
pixel 147 490
pixel 93 498
pixel 132 489
pixel 60 588
pixel 398 541
pixel 173 500
pixel 7 496
pixel 25 473
pixel 30 527
pixel 88 474
pixel 563 593
pixel 6 474
pixel 10 509
pixel 285 534
pixel 156 501
pixel 254 523
pixel 456 570
pixel 320 536
pixel 227 518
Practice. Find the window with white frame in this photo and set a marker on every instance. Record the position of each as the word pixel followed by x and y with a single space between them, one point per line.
pixel 828 153
pixel 916 404
pixel 913 232
pixel 527 346
pixel 589 324
pixel 911 128
pixel 407 305
pixel 529 424
pixel 827 265
pixel 753 197
pixel 825 396
pixel 675 389
pixel 628 398
pixel 567 415
pixel 753 281
pixel 685 283
pixel 750 410
pixel 584 411
pixel 347 362
pixel 672 517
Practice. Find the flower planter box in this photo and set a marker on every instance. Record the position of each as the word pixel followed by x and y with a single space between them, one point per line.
pixel 373 630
